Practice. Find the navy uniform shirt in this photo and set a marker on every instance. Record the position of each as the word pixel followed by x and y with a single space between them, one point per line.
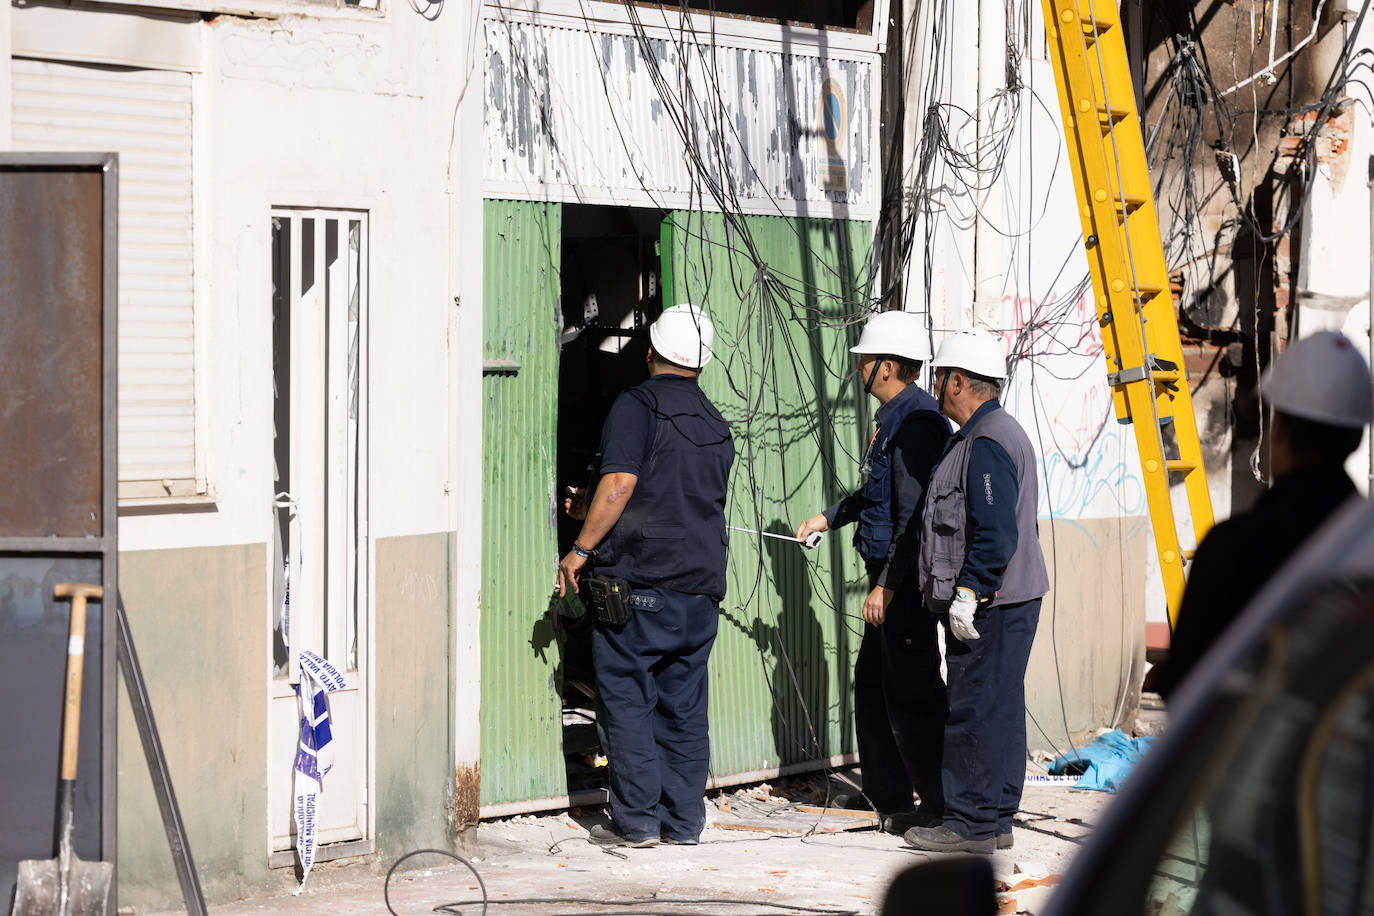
pixel 916 449
pixel 991 497
pixel 671 532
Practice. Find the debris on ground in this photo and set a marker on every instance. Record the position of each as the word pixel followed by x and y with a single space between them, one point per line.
pixel 793 807
pixel 547 857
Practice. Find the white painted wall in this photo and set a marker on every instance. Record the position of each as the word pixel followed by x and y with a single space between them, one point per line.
pixel 940 273
pixel 1336 248
pixel 340 112
pixel 6 105
pixel 465 384
pixel 346 110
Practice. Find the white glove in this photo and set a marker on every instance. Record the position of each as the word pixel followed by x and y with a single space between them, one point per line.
pixel 961 614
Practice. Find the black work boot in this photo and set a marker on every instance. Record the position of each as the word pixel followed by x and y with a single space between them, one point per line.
pixel 942 839
pixel 899 822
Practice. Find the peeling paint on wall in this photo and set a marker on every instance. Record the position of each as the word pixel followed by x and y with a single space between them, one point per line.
pixel 467 788
pixel 295 52
pixel 572 110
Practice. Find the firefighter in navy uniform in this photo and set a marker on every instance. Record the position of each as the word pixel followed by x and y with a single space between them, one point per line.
pixel 655 535
pixel 982 570
pixel 899 698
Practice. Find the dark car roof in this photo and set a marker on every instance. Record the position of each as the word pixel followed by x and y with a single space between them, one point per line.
pixel 1113 871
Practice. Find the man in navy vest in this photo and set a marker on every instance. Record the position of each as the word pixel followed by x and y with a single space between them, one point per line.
pixel 657 521
pixel 981 568
pixel 899 698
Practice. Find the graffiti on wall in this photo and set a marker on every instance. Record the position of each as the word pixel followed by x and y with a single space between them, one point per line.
pixel 1088 463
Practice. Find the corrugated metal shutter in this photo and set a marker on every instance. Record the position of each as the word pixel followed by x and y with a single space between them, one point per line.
pixel 522 734
pixel 781 672
pixel 145 116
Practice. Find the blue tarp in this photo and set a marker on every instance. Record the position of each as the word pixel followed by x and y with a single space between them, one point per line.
pixel 1105 763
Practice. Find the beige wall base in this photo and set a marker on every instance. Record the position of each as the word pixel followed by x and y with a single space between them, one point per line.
pixel 199 618
pixel 1089 653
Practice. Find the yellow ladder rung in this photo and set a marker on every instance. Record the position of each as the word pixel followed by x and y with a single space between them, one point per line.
pixel 1178 464
pixel 1106 17
pixel 1189 554
pixel 1110 116
pixel 1127 205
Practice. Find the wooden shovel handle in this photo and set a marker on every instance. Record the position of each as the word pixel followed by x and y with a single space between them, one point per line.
pixel 76 653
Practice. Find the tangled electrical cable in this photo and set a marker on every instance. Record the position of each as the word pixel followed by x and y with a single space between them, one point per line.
pixel 776 342
pixel 600 903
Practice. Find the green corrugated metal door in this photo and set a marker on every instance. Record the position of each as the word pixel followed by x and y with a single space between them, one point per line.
pixel 781 672
pixel 522 755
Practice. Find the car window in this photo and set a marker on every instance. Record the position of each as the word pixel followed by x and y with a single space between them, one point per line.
pixel 1282 818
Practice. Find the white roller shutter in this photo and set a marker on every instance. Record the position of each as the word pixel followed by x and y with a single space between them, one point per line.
pixel 145 116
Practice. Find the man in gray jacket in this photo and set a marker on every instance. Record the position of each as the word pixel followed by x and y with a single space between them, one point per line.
pixel 981 568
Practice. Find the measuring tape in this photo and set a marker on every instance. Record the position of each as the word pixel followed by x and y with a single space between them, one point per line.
pixel 810 542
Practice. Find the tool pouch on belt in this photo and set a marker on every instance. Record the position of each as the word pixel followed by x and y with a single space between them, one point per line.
pixel 610 600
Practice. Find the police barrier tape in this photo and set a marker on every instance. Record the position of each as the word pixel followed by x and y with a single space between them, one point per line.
pixel 315 753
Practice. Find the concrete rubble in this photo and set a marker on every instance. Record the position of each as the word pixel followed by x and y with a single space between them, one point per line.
pixel 768 846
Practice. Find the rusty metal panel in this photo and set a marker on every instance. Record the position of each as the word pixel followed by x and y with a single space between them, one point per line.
pixel 50 354
pixel 58 285
pixel 781 670
pixel 522 726
pixel 579 114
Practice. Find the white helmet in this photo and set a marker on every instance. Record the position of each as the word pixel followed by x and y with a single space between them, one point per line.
pixel 1322 378
pixel 683 335
pixel 895 334
pixel 976 352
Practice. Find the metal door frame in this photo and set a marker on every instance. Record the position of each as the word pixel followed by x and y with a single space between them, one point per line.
pixel 280 688
pixel 107 164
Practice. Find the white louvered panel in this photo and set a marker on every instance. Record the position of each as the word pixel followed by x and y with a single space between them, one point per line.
pixel 145 116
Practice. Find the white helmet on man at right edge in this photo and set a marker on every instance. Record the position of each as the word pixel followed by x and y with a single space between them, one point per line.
pixel 976 352
pixel 1321 378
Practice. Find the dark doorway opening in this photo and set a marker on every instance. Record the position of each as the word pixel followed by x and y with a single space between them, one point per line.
pixel 612 292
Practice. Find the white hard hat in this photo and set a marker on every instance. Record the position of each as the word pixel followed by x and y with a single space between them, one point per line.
pixel 895 334
pixel 976 352
pixel 1322 378
pixel 683 335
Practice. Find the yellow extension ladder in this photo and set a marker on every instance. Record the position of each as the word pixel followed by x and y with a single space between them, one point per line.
pixel 1135 307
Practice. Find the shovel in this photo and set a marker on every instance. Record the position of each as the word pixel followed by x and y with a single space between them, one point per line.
pixel 67 886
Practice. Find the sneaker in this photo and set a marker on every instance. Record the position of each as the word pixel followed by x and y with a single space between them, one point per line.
pixel 674 841
pixel 601 835
pixel 1005 840
pixel 942 839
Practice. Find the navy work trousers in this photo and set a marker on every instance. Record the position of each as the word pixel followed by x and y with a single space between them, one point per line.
pixel 900 707
pixel 985 739
pixel 651 682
